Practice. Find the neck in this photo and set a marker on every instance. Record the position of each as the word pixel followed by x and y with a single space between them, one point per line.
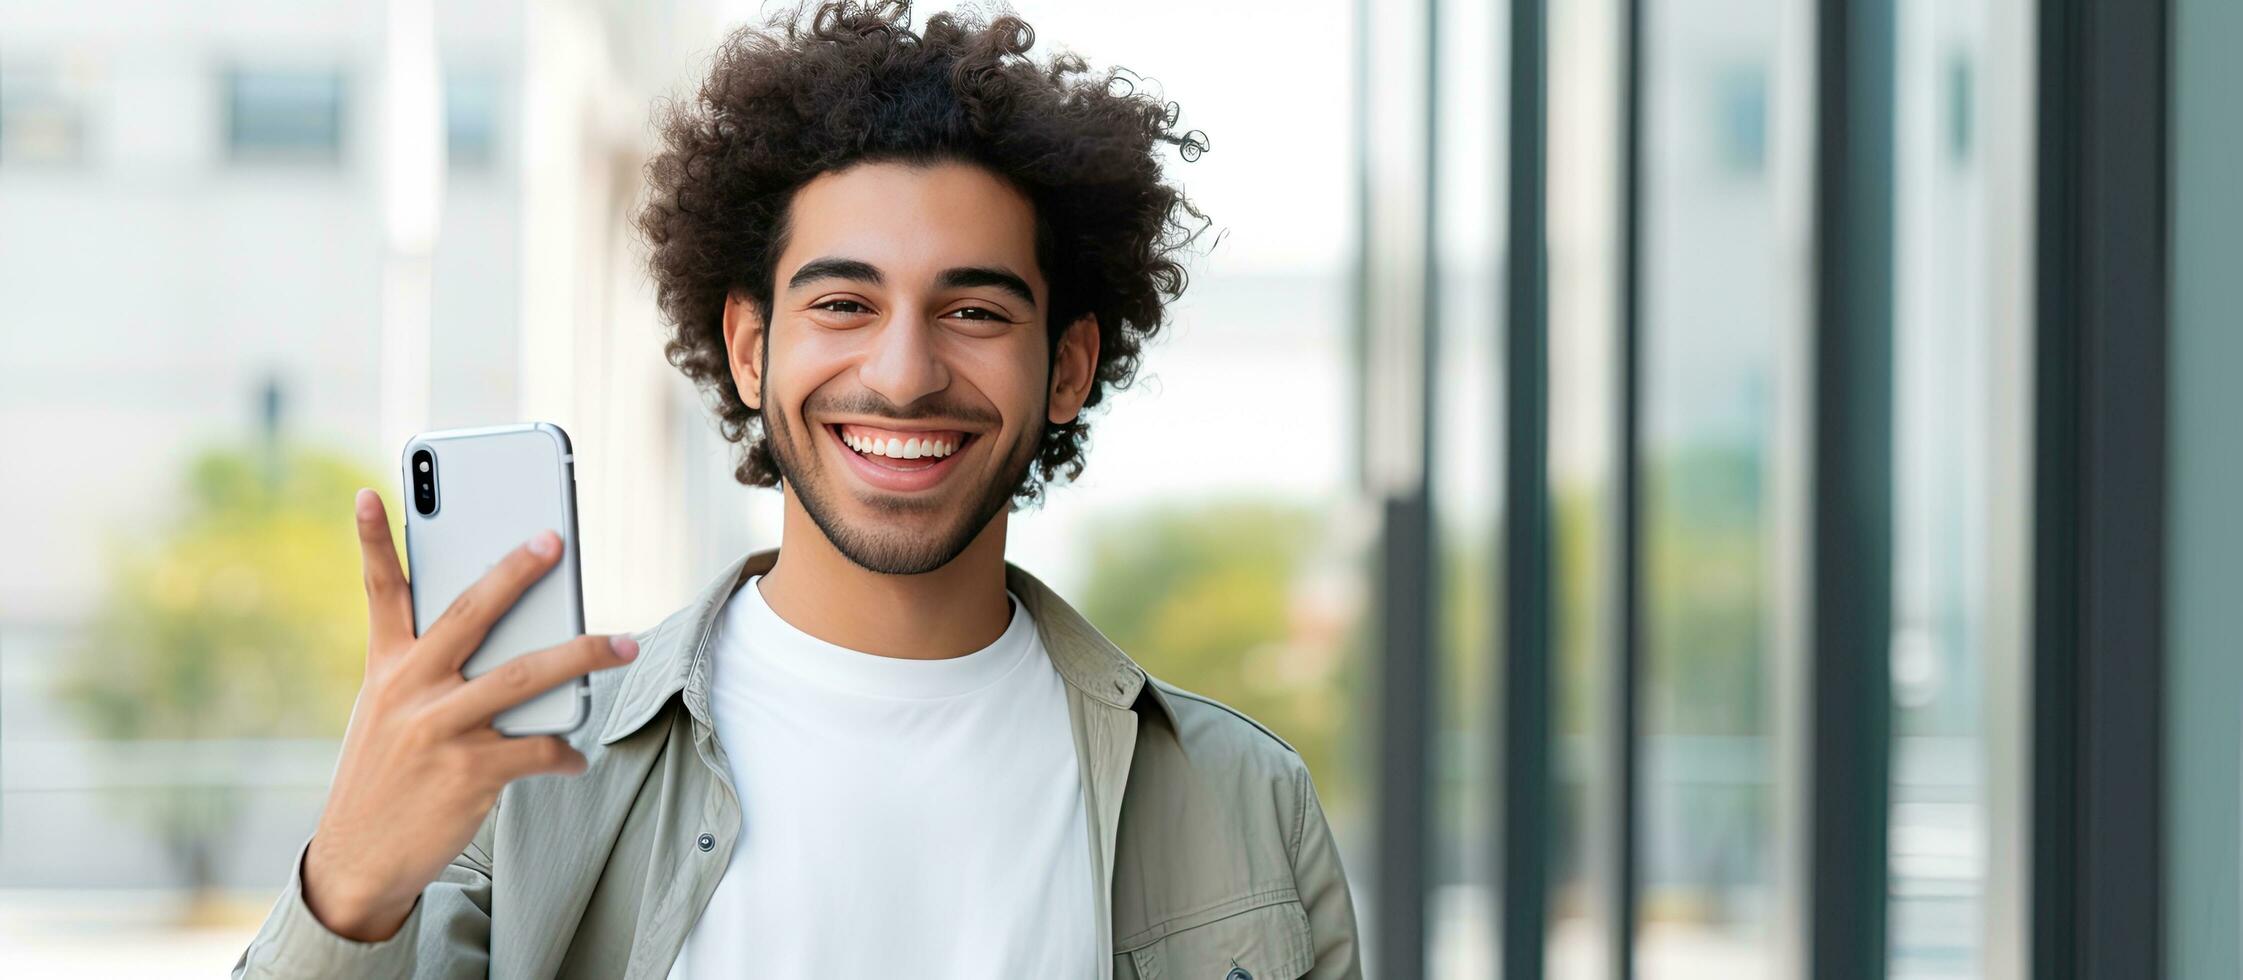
pixel 948 612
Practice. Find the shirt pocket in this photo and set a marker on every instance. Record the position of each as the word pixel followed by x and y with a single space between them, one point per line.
pixel 1258 937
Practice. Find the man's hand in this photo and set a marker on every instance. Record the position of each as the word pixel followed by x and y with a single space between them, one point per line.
pixel 421 765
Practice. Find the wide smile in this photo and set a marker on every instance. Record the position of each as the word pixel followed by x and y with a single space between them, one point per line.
pixel 900 460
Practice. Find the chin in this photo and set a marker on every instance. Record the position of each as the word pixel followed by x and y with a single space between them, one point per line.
pixel 900 533
pixel 889 550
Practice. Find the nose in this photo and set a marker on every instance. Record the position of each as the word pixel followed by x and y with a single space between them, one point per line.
pixel 903 364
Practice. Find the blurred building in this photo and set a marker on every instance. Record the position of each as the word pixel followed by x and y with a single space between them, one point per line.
pixel 195 214
pixel 215 185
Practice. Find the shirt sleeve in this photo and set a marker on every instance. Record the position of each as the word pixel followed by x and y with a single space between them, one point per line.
pixel 1323 888
pixel 446 935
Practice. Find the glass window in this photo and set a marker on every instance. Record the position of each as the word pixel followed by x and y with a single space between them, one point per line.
pixel 1466 470
pixel 1961 374
pixel 1740 101
pixel 471 106
pixel 1585 137
pixel 284 115
pixel 1724 292
pixel 42 121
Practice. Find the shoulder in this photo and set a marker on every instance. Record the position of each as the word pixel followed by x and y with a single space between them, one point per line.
pixel 1226 782
pixel 1214 733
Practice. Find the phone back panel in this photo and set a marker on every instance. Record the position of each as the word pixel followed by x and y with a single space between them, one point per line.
pixel 495 488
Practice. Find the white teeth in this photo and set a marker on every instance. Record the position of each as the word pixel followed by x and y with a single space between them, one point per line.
pixel 913 448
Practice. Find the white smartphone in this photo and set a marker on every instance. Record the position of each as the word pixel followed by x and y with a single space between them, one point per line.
pixel 475 495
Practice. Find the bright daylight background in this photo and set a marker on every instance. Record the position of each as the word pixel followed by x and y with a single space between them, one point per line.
pixel 213 271
pixel 231 282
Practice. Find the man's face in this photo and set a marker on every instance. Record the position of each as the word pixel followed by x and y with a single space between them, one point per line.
pixel 908 377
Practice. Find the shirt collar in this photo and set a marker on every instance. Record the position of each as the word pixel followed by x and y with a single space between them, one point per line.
pixel 674 655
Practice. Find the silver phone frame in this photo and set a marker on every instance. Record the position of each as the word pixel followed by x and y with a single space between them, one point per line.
pixel 570 566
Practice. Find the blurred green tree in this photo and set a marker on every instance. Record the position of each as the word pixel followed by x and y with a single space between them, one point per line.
pixel 1706 547
pixel 1707 723
pixel 1231 600
pixel 243 619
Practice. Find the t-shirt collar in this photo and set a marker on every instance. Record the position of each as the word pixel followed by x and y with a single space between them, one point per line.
pixel 674 655
pixel 750 630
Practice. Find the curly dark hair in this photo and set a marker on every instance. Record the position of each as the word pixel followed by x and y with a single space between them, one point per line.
pixel 819 91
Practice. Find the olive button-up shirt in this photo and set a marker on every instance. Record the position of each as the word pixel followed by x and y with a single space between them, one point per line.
pixel 1210 851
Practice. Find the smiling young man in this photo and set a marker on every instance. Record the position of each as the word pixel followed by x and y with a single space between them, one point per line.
pixel 901 265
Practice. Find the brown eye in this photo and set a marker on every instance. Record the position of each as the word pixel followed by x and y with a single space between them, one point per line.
pixel 829 306
pixel 983 313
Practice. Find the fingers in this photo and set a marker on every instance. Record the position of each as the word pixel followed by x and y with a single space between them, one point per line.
pixel 461 628
pixel 508 759
pixel 389 603
pixel 473 704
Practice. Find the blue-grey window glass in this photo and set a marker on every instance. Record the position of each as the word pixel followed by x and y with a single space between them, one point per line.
pixel 1741 123
pixel 291 115
pixel 471 106
pixel 41 124
pixel 1959 93
pixel 1723 299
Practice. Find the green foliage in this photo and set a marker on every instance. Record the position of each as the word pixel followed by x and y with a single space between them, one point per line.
pixel 244 619
pixel 1706 550
pixel 1224 600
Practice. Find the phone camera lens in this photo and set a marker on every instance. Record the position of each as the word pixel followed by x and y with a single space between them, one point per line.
pixel 424 489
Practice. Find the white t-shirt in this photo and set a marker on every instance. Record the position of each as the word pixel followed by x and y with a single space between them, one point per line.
pixel 900 818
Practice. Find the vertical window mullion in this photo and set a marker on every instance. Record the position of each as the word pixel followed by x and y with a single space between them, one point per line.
pixel 1523 755
pixel 1850 621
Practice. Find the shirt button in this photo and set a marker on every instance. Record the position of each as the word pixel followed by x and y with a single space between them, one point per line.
pixel 707 841
pixel 1238 973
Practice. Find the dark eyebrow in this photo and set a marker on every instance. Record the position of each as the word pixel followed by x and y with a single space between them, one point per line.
pixel 971 276
pixel 961 277
pixel 832 268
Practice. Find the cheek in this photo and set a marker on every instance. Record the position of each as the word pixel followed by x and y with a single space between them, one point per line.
pixel 1013 379
pixel 797 369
